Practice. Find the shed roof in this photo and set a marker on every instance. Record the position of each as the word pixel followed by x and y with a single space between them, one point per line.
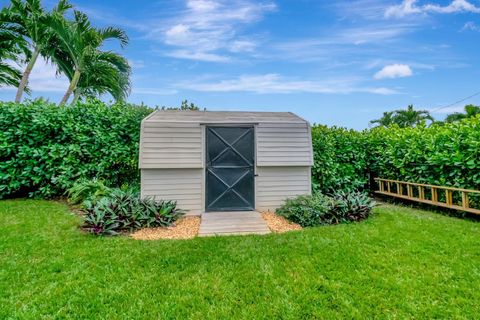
pixel 223 117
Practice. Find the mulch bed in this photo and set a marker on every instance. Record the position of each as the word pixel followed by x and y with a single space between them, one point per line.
pixel 185 228
pixel 279 224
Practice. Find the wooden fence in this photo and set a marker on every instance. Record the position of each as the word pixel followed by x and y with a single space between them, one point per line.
pixel 429 194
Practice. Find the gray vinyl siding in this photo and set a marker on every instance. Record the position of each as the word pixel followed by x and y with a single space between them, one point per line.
pixel 284 144
pixel 276 184
pixel 182 185
pixel 170 145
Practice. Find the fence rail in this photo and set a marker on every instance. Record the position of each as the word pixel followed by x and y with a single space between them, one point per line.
pixel 426 193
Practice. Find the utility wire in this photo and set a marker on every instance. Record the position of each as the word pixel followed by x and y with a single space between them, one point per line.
pixel 452 104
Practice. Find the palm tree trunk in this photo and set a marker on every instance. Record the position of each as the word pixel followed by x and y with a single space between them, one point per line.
pixel 26 75
pixel 76 96
pixel 71 87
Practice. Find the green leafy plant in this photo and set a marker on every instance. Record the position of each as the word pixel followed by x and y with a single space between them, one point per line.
pixel 351 206
pixel 319 209
pixel 46 149
pixel 341 159
pixel 87 190
pixel 308 211
pixel 122 211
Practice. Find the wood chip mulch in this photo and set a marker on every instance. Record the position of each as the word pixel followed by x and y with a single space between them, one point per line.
pixel 185 228
pixel 279 224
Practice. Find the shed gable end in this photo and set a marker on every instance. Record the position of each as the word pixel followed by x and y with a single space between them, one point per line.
pixel 284 144
pixel 170 145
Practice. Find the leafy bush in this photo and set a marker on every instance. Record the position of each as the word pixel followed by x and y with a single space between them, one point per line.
pixel 318 209
pixel 87 190
pixel 441 154
pixel 44 148
pixel 307 211
pixel 125 211
pixel 341 159
pixel 447 155
pixel 351 206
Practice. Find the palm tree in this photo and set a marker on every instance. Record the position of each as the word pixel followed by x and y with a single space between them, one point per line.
pixel 88 68
pixel 106 72
pixel 470 111
pixel 385 121
pixel 12 48
pixel 29 18
pixel 411 117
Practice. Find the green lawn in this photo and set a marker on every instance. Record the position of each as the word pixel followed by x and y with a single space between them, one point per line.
pixel 401 263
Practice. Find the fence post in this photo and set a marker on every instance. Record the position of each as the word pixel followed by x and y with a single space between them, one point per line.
pixel 465 203
pixel 434 195
pixel 449 197
pixel 409 191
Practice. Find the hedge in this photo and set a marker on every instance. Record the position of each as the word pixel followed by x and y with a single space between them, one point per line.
pixel 44 148
pixel 442 154
pixel 341 159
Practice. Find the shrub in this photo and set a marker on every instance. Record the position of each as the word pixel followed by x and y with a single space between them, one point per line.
pixel 351 206
pixel 447 155
pixel 45 148
pixel 125 211
pixel 87 190
pixel 341 159
pixel 441 154
pixel 318 209
pixel 307 211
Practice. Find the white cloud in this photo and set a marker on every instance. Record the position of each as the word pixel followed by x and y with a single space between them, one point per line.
pixel 44 78
pixel 197 55
pixel 394 71
pixel 154 91
pixel 276 84
pixel 242 46
pixel 472 26
pixel 454 6
pixel 409 7
pixel 405 8
pixel 208 30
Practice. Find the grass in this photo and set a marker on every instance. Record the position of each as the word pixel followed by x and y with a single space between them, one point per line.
pixel 401 263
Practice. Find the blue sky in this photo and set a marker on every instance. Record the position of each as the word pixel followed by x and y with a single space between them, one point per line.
pixel 333 62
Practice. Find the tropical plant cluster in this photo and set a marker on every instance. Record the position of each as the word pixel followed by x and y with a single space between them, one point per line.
pixel 124 211
pixel 73 45
pixel 409 117
pixel 319 209
pixel 45 149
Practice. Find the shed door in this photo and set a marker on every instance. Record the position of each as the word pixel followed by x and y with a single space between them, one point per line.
pixel 230 168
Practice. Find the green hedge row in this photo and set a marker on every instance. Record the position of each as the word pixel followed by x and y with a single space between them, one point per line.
pixel 44 148
pixel 442 154
pixel 446 155
pixel 341 160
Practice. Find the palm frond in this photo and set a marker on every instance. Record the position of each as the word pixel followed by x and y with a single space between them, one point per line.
pixel 114 33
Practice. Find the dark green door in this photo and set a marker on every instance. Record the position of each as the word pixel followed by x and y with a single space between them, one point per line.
pixel 230 168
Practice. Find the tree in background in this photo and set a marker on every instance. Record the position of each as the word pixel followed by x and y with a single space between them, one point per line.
pixel 385 121
pixel 27 19
pixel 404 118
pixel 12 48
pixel 470 111
pixel 184 106
pixel 411 117
pixel 89 69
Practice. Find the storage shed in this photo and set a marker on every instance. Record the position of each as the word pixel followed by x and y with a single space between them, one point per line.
pixel 225 161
